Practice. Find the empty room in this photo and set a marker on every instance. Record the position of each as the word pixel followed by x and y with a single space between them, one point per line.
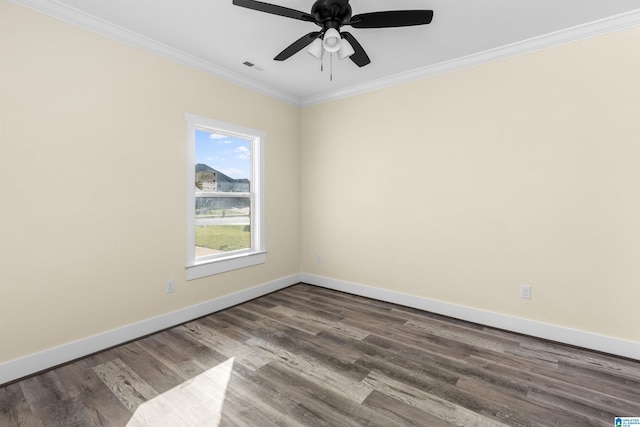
pixel 319 213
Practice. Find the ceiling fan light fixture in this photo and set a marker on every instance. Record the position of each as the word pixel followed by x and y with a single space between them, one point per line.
pixel 315 49
pixel 346 50
pixel 332 40
pixel 331 16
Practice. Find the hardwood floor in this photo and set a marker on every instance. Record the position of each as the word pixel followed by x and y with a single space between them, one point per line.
pixel 307 356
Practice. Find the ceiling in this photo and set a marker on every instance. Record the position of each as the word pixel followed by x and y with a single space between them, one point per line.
pixel 217 37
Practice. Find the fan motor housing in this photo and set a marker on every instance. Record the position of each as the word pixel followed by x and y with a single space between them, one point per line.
pixel 331 13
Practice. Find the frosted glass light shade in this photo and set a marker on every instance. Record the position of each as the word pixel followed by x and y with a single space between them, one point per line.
pixel 332 40
pixel 315 49
pixel 346 50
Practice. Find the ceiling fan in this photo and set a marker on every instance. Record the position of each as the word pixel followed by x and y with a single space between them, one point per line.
pixel 330 15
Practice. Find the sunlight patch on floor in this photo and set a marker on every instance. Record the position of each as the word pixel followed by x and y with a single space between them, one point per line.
pixel 194 403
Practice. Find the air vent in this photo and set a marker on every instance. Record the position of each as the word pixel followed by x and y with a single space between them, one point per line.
pixel 252 65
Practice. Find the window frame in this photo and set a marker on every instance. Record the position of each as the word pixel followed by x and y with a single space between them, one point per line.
pixel 220 263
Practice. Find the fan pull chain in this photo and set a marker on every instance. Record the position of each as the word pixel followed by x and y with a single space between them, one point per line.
pixel 331 71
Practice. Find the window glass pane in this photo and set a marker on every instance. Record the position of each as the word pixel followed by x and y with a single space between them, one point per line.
pixel 223 165
pixel 223 162
pixel 223 224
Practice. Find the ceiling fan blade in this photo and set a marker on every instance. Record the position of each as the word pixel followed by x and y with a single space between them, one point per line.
pixel 297 45
pixel 391 18
pixel 360 58
pixel 274 9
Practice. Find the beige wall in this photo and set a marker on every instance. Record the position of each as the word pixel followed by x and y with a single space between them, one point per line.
pixel 455 188
pixel 92 182
pixel 460 187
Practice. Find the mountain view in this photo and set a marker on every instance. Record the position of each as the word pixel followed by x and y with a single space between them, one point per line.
pixel 224 182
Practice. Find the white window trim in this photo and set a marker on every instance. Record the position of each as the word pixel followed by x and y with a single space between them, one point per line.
pixel 206 266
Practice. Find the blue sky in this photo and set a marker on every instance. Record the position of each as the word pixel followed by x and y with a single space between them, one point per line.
pixel 227 154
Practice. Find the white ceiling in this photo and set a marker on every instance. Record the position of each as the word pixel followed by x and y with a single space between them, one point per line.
pixel 216 36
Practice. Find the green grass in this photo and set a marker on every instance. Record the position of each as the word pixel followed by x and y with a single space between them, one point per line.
pixel 220 213
pixel 223 237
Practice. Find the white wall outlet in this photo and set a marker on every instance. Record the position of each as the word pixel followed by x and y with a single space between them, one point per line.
pixel 171 286
pixel 319 258
pixel 525 291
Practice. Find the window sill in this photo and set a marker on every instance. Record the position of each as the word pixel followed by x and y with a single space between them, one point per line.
pixel 217 266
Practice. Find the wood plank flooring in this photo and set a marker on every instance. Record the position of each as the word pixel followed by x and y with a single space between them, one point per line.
pixel 307 356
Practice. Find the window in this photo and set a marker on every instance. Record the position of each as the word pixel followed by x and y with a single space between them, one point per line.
pixel 225 203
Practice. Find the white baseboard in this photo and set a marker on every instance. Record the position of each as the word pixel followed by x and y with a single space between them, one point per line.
pixel 24 366
pixel 29 365
pixel 510 323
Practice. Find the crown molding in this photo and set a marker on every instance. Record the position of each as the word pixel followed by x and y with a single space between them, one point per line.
pixel 89 22
pixel 81 19
pixel 569 35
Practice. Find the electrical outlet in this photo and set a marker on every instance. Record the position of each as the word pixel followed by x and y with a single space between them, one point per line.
pixel 171 286
pixel 319 259
pixel 525 291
